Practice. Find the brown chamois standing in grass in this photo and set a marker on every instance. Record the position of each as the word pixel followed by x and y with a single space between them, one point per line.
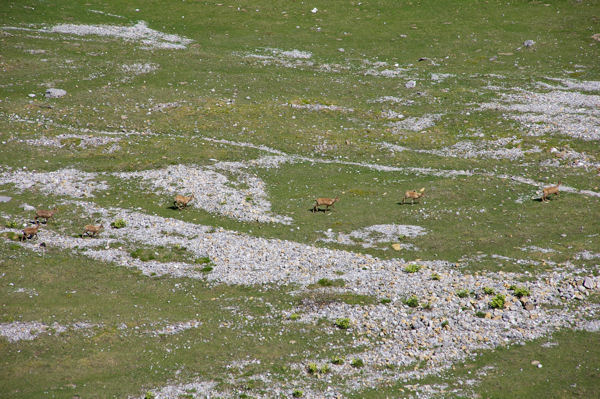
pixel 182 201
pixel 549 191
pixel 91 230
pixel 328 202
pixel 30 232
pixel 413 195
pixel 42 213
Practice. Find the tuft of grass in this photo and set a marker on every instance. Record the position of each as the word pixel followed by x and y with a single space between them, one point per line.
pixel 326 282
pixel 498 302
pixel 118 224
pixel 412 302
pixel 519 292
pixel 312 368
pixel 412 268
pixel 462 293
pixel 385 301
pixel 342 323
pixel 435 277
pixel 357 363
pixel 294 316
pixel 12 224
pixel 488 291
pixel 297 393
pixel 480 314
pixel 337 360
pixel 11 235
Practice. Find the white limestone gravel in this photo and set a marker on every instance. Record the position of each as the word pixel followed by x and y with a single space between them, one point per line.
pixel 67 182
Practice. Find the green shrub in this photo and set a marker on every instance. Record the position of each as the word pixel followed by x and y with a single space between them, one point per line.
pixel 412 268
pixel 297 393
pixel 149 395
pixel 12 225
pixel 325 369
pixel 385 301
pixel 343 323
pixel 462 293
pixel 202 260
pixel 413 301
pixel 294 316
pixel 520 292
pixel 337 360
pixel 445 323
pixel 357 363
pixel 207 269
pixel 498 302
pixel 428 306
pixel 488 291
pixel 118 224
pixel 480 314
pixel 312 368
pixel 435 276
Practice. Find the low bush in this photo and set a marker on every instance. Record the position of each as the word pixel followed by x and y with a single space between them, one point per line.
pixel 498 302
pixel 462 293
pixel 357 363
pixel 118 224
pixel 412 268
pixel 413 301
pixel 343 323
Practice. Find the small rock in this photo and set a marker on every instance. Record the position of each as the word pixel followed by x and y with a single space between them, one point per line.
pixel 493 58
pixel 55 93
pixel 314 10
pixel 31 95
pixel 4 198
pixel 596 36
pixel 588 283
pixel 528 43
pixel 410 84
pixel 27 207
pixel 535 362
pixel 397 247
pixel 527 305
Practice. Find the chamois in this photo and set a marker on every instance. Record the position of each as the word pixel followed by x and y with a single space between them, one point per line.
pixel 182 201
pixel 91 230
pixel 328 202
pixel 30 232
pixel 413 195
pixel 41 213
pixel 550 190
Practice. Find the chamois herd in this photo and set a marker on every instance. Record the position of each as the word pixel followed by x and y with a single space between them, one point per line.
pixel 180 202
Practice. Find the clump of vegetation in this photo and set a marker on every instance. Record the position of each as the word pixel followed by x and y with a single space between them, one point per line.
pixel 343 323
pixel 413 301
pixel 488 291
pixel 435 277
pixel 498 302
pixel 11 235
pixel 462 293
pixel 118 224
pixel 519 292
pixel 312 368
pixel 143 254
pixel 202 260
pixel 412 268
pixel 207 269
pixel 325 369
pixel 12 225
pixel 480 314
pixel 337 360
pixel 357 363
pixel 294 316
pixel 298 393
pixel 428 306
pixel 445 324
pixel 385 301
pixel 326 282
pixel 149 395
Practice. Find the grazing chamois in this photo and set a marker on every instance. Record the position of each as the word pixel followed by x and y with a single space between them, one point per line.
pixel 413 195
pixel 91 230
pixel 328 202
pixel 549 191
pixel 182 201
pixel 41 213
pixel 30 232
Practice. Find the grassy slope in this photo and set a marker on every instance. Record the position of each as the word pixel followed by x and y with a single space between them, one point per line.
pixel 460 36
